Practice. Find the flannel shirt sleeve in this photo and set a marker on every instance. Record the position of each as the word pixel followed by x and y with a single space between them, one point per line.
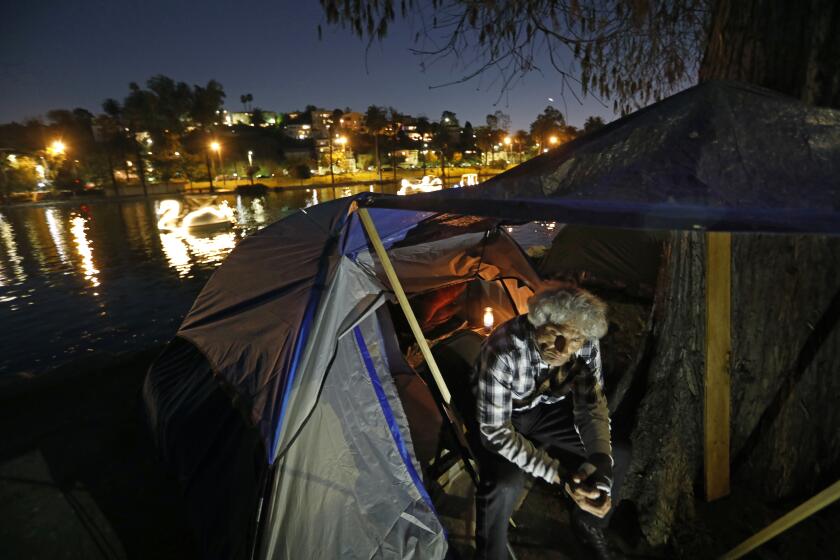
pixel 592 417
pixel 494 407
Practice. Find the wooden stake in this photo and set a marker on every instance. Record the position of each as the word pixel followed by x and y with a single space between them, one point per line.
pixel 788 520
pixel 717 378
pixel 370 228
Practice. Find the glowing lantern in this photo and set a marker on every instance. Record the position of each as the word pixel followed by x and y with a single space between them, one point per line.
pixel 488 318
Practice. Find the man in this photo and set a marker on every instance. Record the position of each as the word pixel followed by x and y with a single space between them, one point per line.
pixel 538 384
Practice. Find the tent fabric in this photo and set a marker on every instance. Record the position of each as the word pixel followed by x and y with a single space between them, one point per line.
pixel 344 489
pixel 606 256
pixel 209 447
pixel 247 319
pixel 720 156
pixel 431 265
pixel 350 295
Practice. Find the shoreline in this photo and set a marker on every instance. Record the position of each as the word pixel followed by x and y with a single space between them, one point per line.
pixel 181 190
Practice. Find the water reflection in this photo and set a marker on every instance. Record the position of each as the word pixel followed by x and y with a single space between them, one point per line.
pixel 182 249
pixel 57 234
pixel 7 235
pixel 313 200
pixel 252 213
pixel 78 227
pixel 258 210
pixel 176 253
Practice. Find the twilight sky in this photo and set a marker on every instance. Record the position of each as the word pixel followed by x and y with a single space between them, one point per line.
pixel 65 54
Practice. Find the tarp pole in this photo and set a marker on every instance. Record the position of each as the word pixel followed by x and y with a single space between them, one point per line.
pixel 716 394
pixel 391 274
pixel 812 506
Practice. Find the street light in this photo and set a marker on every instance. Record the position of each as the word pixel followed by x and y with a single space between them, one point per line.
pixel 57 147
pixel 552 140
pixel 216 147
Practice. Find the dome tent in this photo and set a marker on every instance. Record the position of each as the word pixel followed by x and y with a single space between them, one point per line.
pixel 275 404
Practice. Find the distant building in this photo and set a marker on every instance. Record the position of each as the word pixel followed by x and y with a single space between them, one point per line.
pixel 352 121
pixel 321 122
pixel 298 125
pixel 342 156
pixel 234 118
pixel 412 157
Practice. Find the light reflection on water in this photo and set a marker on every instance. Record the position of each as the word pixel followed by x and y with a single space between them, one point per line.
pixel 102 278
pixel 83 247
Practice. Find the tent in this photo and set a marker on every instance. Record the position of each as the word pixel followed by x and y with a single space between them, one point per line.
pixel 276 404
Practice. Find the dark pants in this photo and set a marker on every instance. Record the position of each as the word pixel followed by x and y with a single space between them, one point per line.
pixel 501 482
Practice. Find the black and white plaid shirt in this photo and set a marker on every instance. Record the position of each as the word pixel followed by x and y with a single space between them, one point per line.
pixel 506 379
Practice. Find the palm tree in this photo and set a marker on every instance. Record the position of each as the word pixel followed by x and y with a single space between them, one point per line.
pixel 206 104
pixel 246 98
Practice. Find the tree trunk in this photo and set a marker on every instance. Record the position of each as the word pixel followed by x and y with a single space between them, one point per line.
pixel 790 47
pixel 785 301
pixel 111 171
pixel 141 173
pixel 376 151
pixel 209 169
pixel 667 439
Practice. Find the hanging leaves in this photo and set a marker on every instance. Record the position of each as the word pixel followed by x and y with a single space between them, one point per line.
pixel 633 50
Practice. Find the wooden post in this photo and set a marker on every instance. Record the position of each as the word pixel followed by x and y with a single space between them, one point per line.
pixel 370 228
pixel 718 349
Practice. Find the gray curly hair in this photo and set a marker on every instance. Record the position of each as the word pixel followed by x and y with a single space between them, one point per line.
pixel 569 306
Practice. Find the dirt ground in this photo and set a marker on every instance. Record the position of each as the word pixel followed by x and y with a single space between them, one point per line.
pixel 79 478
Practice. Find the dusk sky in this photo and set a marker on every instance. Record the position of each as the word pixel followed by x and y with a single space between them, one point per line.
pixel 78 53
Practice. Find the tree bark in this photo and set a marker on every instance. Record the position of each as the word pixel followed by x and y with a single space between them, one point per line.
pixel 667 439
pixel 790 47
pixel 785 300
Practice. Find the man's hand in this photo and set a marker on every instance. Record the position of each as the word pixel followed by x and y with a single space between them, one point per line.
pixel 587 497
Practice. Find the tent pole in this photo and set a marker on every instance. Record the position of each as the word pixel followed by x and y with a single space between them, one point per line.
pixel 370 228
pixel 716 394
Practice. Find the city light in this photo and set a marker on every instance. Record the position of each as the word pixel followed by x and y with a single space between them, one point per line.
pixel 341 140
pixel 215 146
pixel 552 140
pixel 507 140
pixel 57 147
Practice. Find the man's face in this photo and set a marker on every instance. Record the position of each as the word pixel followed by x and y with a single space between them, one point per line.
pixel 557 343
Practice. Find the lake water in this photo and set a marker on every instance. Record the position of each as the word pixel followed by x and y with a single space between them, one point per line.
pixel 104 277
